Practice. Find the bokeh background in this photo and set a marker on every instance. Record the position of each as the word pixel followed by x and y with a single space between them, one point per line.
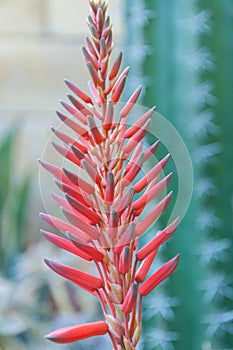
pixel 182 52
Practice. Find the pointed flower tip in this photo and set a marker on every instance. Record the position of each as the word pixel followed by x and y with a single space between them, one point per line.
pixel 173 225
pixel 42 215
pixel 124 263
pixel 62 102
pixel 45 233
pixel 47 261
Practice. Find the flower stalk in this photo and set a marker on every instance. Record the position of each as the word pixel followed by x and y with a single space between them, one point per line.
pixel 103 217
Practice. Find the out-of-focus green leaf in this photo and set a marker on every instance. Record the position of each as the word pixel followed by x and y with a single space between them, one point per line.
pixel 14 196
pixel 6 150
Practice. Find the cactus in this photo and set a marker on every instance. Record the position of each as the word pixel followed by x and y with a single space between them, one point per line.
pixel 216 186
pixel 188 47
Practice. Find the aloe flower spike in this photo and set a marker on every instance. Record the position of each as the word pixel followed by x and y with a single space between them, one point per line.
pixel 102 216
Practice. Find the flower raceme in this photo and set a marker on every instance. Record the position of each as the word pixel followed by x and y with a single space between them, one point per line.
pixel 103 223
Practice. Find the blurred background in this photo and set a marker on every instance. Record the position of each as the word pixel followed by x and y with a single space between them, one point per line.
pixel 182 52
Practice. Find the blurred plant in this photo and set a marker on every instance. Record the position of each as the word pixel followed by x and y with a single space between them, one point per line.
pixel 103 215
pixel 189 63
pixel 13 205
pixel 14 196
pixel 213 129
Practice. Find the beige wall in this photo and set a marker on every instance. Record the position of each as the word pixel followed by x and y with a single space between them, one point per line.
pixel 40 44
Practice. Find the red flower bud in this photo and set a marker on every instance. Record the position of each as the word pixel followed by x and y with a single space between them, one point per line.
pixel 159 276
pixel 140 124
pixel 76 333
pixel 151 150
pixel 79 182
pixel 153 215
pixel 109 194
pixel 116 67
pixel 94 253
pixel 75 112
pixel 136 138
pixel 91 61
pixel 66 153
pixel 134 169
pixel 80 93
pixel 154 172
pixel 78 206
pixel 117 90
pixel 95 93
pixel 83 111
pixel 150 194
pixel 71 124
pixel 145 266
pixel 131 102
pixel 108 117
pixel 124 264
pixel 97 135
pixel 77 221
pixel 64 227
pixel 130 299
pixel 113 224
pixel 66 245
pixel 127 236
pixel 81 278
pixel 94 75
pixel 91 171
pixel 159 239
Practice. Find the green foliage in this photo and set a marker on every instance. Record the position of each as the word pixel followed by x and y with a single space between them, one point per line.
pixel 14 196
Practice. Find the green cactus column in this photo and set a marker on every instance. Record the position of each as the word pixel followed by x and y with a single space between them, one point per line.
pixel 217 75
pixel 172 36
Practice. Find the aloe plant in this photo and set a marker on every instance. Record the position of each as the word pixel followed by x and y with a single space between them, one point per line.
pixel 103 214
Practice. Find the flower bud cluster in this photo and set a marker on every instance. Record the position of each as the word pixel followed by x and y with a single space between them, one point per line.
pixel 103 209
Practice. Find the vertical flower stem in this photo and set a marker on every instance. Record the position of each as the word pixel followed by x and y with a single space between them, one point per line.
pixel 133 318
pixel 111 307
pixel 140 310
pixel 134 270
pixel 115 347
pixel 100 272
pixel 126 317
pixel 102 303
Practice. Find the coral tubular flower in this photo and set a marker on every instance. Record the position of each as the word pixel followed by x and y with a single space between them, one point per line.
pixel 104 194
pixel 130 299
pixel 75 333
pixel 145 266
pixel 79 277
pixel 159 276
